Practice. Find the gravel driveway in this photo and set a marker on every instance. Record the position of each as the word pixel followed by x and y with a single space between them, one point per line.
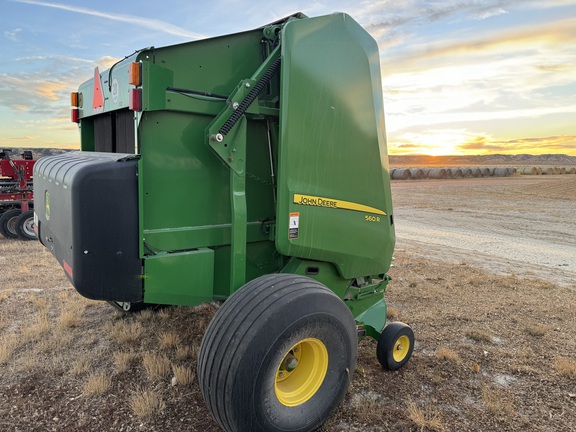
pixel 522 225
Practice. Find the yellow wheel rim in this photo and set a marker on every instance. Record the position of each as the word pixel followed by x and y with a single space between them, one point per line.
pixel 401 348
pixel 301 372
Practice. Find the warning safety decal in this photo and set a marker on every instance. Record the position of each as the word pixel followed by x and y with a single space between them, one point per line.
pixel 294 224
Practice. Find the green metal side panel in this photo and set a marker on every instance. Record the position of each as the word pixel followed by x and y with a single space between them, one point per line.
pixel 184 278
pixel 333 174
pixel 186 188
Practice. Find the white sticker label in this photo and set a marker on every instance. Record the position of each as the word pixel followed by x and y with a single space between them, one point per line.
pixel 115 90
pixel 294 225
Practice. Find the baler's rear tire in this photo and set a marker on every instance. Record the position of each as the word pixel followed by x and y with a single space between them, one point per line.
pixel 395 346
pixel 8 223
pixel 277 356
pixel 25 226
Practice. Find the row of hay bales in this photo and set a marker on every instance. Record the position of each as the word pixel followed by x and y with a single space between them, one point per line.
pixel 446 173
pixel 546 170
pixel 467 172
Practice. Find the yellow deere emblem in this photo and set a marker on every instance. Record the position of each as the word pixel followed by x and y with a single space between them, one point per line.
pixel 47 205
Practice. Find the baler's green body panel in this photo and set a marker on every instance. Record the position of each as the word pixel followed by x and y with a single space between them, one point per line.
pixel 298 183
pixel 333 148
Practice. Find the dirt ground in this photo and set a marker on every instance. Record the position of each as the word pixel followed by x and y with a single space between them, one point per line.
pixel 483 272
pixel 523 225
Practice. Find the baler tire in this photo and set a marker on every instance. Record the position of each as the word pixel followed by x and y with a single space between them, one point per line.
pixel 265 325
pixel 395 346
pixel 25 226
pixel 8 223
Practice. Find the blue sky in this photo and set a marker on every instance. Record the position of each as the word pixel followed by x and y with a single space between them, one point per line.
pixel 459 76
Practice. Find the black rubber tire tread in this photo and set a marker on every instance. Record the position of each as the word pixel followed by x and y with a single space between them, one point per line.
pixel 20 221
pixel 246 333
pixel 5 219
pixel 385 348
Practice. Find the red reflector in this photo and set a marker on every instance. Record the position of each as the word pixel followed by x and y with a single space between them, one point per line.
pixel 135 100
pixel 67 269
pixel 76 115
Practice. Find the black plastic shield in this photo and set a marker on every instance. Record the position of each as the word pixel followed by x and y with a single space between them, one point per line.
pixel 87 216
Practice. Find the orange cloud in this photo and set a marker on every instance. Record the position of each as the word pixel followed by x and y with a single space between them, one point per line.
pixel 559 33
pixel 483 144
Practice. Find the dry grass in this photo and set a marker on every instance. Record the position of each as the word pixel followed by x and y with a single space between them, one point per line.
pixel 566 367
pixel 123 360
pixel 96 384
pixel 81 366
pixel 183 375
pixel 537 330
pixel 498 401
pixel 184 352
pixel 447 354
pixel 426 418
pixel 157 366
pixel 69 319
pixel 392 313
pixel 169 339
pixel 38 329
pixel 8 345
pixel 4 294
pixel 146 403
pixel 126 332
pixel 479 335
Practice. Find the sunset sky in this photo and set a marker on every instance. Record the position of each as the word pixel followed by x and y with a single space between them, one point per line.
pixel 459 76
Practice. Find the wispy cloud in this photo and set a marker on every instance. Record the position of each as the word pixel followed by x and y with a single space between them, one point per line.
pixel 36 93
pixel 489 13
pixel 152 24
pixel 13 35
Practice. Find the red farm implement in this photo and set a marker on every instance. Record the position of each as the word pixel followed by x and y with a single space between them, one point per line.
pixel 16 196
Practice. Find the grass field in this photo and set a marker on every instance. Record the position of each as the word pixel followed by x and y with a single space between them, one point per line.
pixel 493 352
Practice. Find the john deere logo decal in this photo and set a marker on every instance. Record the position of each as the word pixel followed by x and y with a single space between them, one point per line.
pixel 47 205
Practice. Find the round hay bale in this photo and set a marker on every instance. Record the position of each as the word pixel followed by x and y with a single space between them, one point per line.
pixel 401 174
pixel 571 170
pixel 512 171
pixel 529 170
pixel 561 170
pixel 485 172
pixel 437 173
pixel 548 171
pixel 500 172
pixel 392 172
pixel 417 173
pixel 476 172
pixel 466 172
pixel 456 173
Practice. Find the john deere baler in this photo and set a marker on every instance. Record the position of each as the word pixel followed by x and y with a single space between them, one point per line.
pixel 250 168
